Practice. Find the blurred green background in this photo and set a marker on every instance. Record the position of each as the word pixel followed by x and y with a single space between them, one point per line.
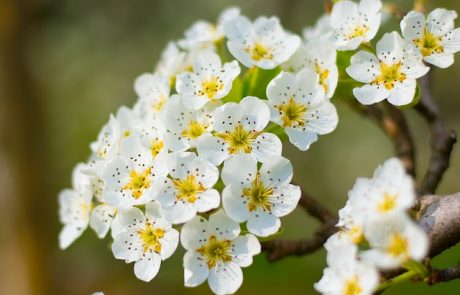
pixel 67 64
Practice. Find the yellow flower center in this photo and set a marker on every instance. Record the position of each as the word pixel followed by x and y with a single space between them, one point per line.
pixel 138 182
pixel 323 74
pixel 258 51
pixel 389 75
pixel 216 251
pixel 151 238
pixel 127 133
pixel 352 287
pixel 429 43
pixel 156 147
pixel 292 113
pixel 210 87
pixel 359 31
pixel 356 234
pixel 399 246
pixel 389 202
pixel 194 130
pixel 239 140
pixel 158 106
pixel 188 188
pixel 258 195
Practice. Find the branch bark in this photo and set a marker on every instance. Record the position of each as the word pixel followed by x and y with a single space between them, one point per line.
pixel 394 124
pixel 442 139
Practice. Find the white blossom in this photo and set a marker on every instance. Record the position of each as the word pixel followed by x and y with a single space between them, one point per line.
pixel 188 190
pixel 239 129
pixel 259 196
pixel 390 75
pixel 216 251
pixel 394 240
pixel 298 104
pixel 147 239
pixel 435 38
pixel 130 177
pixel 185 127
pixel 319 56
pixel 210 80
pixel 321 31
pixel 153 92
pixel 354 23
pixel 262 43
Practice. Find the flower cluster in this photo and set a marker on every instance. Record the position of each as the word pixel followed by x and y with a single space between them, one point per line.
pixel 375 232
pixel 198 159
pixel 199 154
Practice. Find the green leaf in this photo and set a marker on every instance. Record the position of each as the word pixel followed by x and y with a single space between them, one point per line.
pixel 235 93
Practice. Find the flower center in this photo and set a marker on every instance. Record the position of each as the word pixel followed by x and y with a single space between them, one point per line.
pixel 158 106
pixel 352 287
pixel 292 113
pixel 138 182
pixel 358 31
pixel 188 188
pixel 356 234
pixel 429 43
pixel 323 74
pixel 156 147
pixel 239 140
pixel 389 75
pixel 399 246
pixel 258 51
pixel 388 203
pixel 151 238
pixel 258 195
pixel 216 251
pixel 194 130
pixel 210 87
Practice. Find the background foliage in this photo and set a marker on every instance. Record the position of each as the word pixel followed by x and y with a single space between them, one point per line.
pixel 71 63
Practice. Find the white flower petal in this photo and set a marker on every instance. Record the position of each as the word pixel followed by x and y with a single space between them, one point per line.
pixel 413 25
pixel 196 270
pixel 68 235
pixel 403 93
pixel 210 199
pixel 300 138
pixel 193 233
pixel 101 219
pixel 285 199
pixel 234 203
pixel 276 171
pixel 212 149
pixel 222 226
pixel 239 168
pixel 169 243
pixel 147 267
pixel 266 146
pixel 263 224
pixel 370 93
pixel 127 246
pixel 244 248
pixel 225 278
pixel 365 67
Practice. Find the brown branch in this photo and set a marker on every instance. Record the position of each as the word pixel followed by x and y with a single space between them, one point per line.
pixel 393 123
pixel 442 140
pixel 278 249
pixel 315 209
pixel 444 275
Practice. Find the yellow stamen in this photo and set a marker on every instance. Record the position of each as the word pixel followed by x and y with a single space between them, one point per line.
pixel 389 75
pixel 210 87
pixel 216 251
pixel 188 188
pixel 239 140
pixel 151 238
pixel 194 130
pixel 292 113
pixel 429 44
pixel 359 31
pixel 389 202
pixel 156 147
pixel 258 195
pixel 138 182
pixel 399 246
pixel 158 106
pixel 323 74
pixel 258 51
pixel 352 287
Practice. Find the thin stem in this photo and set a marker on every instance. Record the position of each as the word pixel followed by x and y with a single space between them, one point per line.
pixel 396 280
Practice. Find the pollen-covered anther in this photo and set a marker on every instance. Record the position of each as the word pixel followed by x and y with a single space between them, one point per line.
pixel 188 188
pixel 239 140
pixel 216 251
pixel 258 195
pixel 138 182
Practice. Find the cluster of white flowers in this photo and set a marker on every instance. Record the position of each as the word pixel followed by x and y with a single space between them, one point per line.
pixel 375 232
pixel 200 154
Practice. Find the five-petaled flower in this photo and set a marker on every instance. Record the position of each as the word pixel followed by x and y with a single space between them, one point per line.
pixel 390 75
pixel 435 38
pixel 209 81
pixel 146 239
pixel 216 251
pixel 298 103
pixel 263 43
pixel 259 196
